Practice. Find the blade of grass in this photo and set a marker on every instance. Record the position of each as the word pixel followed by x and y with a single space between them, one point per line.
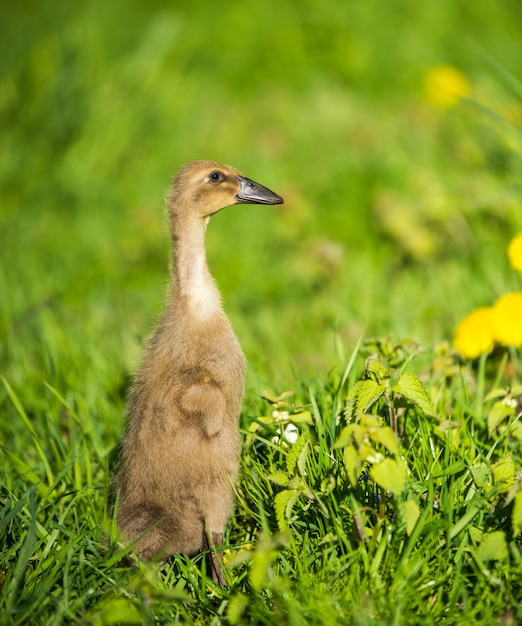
pixel 21 412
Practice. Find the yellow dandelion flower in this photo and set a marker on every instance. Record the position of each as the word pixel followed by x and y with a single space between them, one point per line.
pixel 444 85
pixel 507 319
pixel 515 252
pixel 474 334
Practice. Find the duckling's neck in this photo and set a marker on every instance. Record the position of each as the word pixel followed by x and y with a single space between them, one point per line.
pixel 192 283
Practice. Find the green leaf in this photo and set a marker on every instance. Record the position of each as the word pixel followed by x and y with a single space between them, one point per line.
pixel 499 412
pixel 117 611
pixel 345 436
pixel 259 567
pixel 301 460
pixel 279 478
pixel 495 393
pixel 493 546
pixel 504 471
pixel 304 417
pixel 369 393
pixel 362 395
pixel 517 514
pixel 351 462
pixel 351 400
pixel 481 474
pixel 294 452
pixel 277 400
pixel 411 515
pixel 236 608
pixel 266 552
pixel 376 371
pixel 512 392
pixel 266 419
pixel 385 436
pixel 283 503
pixel 390 474
pixel 411 388
pixel 370 454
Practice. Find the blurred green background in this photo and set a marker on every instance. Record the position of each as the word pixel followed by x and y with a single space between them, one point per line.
pixel 397 213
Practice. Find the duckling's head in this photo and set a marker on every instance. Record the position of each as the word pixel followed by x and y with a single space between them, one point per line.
pixel 206 187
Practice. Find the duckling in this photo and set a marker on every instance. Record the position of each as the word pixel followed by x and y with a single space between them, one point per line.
pixel 179 457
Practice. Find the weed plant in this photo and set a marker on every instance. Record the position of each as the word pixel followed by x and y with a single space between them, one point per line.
pixel 380 479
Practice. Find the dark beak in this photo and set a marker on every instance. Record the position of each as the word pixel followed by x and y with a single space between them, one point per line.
pixel 251 192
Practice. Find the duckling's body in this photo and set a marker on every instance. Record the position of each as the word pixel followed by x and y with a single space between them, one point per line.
pixel 180 451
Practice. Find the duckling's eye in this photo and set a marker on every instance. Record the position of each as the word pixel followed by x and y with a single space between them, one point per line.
pixel 216 176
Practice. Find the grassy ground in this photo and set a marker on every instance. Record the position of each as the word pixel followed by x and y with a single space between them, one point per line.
pixel 398 212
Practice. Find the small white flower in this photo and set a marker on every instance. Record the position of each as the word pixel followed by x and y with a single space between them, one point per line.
pixel 291 433
pixel 280 416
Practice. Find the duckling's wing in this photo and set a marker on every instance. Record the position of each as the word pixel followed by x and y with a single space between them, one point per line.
pixel 205 402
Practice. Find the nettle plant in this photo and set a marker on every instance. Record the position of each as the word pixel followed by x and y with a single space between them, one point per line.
pixel 351 458
pixel 376 407
pixel 365 438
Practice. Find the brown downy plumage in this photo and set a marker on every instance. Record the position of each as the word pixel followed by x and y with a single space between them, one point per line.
pixel 180 451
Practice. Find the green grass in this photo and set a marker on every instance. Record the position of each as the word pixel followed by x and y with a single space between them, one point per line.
pixel 396 219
